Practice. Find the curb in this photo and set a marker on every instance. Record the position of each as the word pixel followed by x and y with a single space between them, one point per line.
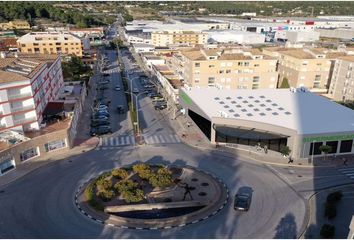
pixel 153 228
pixel 301 236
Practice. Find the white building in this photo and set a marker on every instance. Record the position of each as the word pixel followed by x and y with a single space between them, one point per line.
pixel 27 83
pixel 297 36
pixel 234 36
pixel 143 47
pixel 274 117
pixel 339 33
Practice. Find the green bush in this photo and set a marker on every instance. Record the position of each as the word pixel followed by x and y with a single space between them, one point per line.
pixel 106 195
pixel 89 197
pixel 334 197
pixel 163 178
pixel 327 231
pixel 125 185
pixel 143 170
pixel 119 173
pixel 330 210
pixel 135 195
pixel 104 184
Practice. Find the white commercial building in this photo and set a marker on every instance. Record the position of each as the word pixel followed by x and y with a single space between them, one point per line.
pixel 340 33
pixel 296 118
pixel 234 36
pixel 143 47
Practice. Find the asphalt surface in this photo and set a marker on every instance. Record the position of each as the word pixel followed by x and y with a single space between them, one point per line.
pixel 41 204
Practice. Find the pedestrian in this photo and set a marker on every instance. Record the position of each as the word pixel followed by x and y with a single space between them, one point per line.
pixel 345 161
pixel 265 149
pixel 290 160
pixel 188 124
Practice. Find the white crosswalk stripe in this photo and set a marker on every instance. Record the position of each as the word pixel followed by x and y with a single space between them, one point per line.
pixel 113 70
pixel 109 142
pixel 349 172
pixel 161 139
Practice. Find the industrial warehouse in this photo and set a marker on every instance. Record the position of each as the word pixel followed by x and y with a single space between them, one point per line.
pixel 276 118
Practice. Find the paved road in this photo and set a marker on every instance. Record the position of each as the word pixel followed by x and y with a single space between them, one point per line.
pixel 40 205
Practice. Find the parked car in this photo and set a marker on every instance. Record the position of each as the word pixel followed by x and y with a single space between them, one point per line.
pixel 117 88
pixel 135 90
pixel 100 118
pixel 157 98
pixel 100 130
pixel 100 115
pixel 160 105
pixel 120 109
pixel 152 94
pixel 242 201
pixel 99 123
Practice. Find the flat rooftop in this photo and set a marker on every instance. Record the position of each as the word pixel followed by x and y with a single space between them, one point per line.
pixel 303 112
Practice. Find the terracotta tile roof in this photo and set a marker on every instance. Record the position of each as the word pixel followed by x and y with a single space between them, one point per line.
pixel 349 58
pixel 6 77
pixel 234 56
pixel 194 55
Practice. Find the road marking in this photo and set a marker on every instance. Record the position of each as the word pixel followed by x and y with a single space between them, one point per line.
pixel 112 141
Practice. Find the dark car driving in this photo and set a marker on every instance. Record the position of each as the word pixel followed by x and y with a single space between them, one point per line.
pixel 242 201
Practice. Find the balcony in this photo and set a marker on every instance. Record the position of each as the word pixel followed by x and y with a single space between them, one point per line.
pixel 23 108
pixel 17 96
pixel 24 120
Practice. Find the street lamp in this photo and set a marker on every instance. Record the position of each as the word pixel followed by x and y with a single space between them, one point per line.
pixel 136 109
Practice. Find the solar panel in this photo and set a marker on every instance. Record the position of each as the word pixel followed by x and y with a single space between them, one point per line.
pixel 243 110
pixel 257 101
pixel 268 109
pixel 231 111
pixel 249 114
pixel 238 106
pixel 217 98
pixel 233 102
pixel 250 105
pixel 236 115
pixel 226 106
pixel 228 98
pixel 262 114
pixel 250 97
pixel 239 97
pixel 275 113
pixel 262 105
pixel 281 109
pixel 287 113
pixel 268 100
pixel 222 102
pixel 245 101
pixel 262 96
pixel 274 104
pixel 256 110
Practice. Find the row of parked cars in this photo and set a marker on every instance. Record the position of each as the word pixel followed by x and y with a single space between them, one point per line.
pixel 100 121
pixel 157 98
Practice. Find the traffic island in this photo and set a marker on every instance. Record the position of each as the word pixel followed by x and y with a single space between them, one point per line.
pixel 143 196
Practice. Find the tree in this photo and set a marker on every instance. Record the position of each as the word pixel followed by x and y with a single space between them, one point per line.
pixel 143 170
pixel 119 173
pixel 285 83
pixel 327 231
pixel 285 151
pixel 325 149
pixel 74 68
pixel 162 178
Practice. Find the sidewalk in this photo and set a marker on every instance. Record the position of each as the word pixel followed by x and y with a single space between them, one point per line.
pixel 194 137
pixel 30 165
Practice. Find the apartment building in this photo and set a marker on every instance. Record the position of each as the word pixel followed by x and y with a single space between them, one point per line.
pixel 166 38
pixel 27 83
pixel 16 24
pixel 51 43
pixel 310 68
pixel 342 82
pixel 226 68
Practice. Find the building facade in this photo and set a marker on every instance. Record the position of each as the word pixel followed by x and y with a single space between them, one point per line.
pixel 309 68
pixel 16 24
pixel 27 83
pixel 166 38
pixel 227 68
pixel 50 43
pixel 342 82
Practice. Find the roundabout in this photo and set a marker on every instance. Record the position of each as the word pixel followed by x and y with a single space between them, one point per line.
pixel 42 203
pixel 182 196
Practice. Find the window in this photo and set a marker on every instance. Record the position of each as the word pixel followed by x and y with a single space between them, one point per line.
pixel 318 78
pixel 211 66
pixel 196 80
pixel 316 150
pixel 211 80
pixel 256 65
pixel 7 165
pixel 256 79
pixel 255 86
pixel 28 154
pixel 196 64
pixel 55 145
pixel 57 44
pixel 228 71
pixel 221 71
pixel 23 45
pixel 246 64
pixel 333 145
pixel 35 44
pixel 346 146
pixel 240 63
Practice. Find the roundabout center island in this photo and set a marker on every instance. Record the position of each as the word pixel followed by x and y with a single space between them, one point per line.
pixel 143 196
